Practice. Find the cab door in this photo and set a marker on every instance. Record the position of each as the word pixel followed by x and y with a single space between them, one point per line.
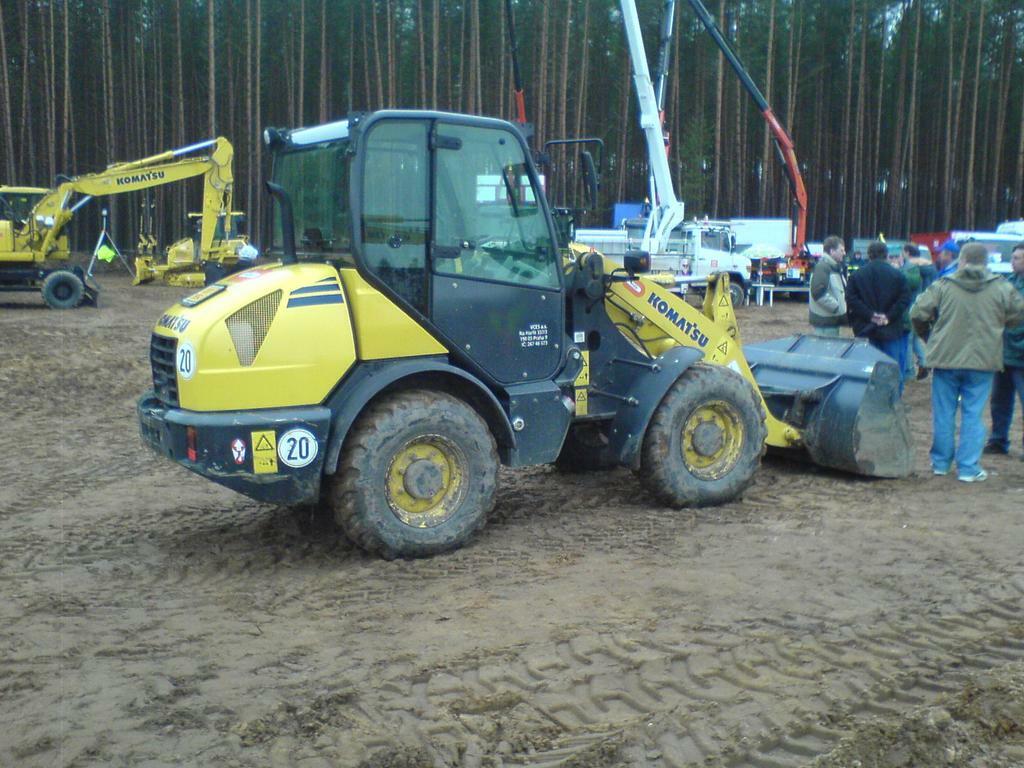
pixel 496 278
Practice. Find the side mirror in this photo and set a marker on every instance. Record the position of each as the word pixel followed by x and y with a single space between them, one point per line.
pixel 590 179
pixel 636 262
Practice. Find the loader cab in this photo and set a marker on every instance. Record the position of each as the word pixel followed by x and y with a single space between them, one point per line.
pixel 445 215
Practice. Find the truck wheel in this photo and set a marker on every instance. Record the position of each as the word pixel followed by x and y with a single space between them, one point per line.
pixel 63 290
pixel 418 476
pixel 737 293
pixel 705 440
pixel 585 449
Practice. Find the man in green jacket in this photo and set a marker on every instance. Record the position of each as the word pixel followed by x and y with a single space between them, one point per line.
pixel 962 317
pixel 1011 378
pixel 827 294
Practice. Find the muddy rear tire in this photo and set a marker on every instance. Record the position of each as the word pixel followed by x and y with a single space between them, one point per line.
pixel 418 476
pixel 705 440
pixel 63 289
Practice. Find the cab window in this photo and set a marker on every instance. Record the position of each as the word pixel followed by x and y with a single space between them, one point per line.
pixel 489 223
pixel 396 207
pixel 317 180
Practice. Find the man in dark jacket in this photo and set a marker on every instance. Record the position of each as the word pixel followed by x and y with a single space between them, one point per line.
pixel 877 296
pixel 1010 380
pixel 963 316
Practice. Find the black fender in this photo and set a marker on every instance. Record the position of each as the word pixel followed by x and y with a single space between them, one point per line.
pixel 369 379
pixel 628 427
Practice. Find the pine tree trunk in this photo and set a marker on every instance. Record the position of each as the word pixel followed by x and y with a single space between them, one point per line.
pixel 972 144
pixel 956 150
pixel 390 53
pixel 27 145
pixel 250 122
pixel 421 39
pixel 893 194
pixel 620 184
pixel 211 53
pixel 435 52
pixel 542 79
pixel 843 165
pixel 300 92
pixel 857 178
pixel 68 134
pixel 257 135
pixel 323 62
pixel 10 170
pixel 1002 102
pixel 766 150
pixel 910 153
pixel 716 193
pixel 378 69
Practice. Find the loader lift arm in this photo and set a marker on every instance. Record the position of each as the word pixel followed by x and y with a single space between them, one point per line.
pixel 783 141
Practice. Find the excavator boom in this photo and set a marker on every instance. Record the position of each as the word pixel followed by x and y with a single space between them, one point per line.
pixel 783 141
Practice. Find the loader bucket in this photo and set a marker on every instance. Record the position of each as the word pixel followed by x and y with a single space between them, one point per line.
pixel 843 397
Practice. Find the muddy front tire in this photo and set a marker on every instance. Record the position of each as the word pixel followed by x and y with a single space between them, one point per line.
pixel 417 478
pixel 705 440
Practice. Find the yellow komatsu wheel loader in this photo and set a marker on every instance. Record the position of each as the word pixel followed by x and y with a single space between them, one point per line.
pixel 33 221
pixel 422 327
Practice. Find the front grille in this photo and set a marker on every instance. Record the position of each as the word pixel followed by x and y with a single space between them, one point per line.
pixel 162 352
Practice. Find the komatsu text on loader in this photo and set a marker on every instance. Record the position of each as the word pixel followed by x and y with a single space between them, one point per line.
pixel 34 246
pixel 422 327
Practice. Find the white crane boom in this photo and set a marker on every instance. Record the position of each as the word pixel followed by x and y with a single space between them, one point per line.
pixel 667 211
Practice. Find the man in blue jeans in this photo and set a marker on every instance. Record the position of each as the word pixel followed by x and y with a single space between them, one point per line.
pixel 962 317
pixel 877 296
pixel 1010 380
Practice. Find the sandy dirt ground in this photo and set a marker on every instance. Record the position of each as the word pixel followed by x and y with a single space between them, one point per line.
pixel 150 617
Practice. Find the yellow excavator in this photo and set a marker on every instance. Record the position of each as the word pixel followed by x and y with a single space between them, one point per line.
pixel 423 327
pixel 33 221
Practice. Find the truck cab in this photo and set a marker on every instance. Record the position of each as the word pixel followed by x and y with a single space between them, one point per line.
pixel 696 249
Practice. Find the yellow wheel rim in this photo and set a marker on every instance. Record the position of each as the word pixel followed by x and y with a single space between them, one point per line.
pixel 426 481
pixel 712 439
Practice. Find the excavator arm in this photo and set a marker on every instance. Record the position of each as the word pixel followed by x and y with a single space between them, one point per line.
pixel 783 141
pixel 211 159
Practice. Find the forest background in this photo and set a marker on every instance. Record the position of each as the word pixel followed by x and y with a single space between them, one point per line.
pixel 908 115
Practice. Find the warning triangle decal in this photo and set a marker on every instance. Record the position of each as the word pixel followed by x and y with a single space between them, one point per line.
pixel 263 444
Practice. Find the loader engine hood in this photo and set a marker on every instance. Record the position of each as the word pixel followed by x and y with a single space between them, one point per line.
pixel 268 337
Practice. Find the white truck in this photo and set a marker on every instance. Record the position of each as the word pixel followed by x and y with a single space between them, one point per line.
pixel 692 251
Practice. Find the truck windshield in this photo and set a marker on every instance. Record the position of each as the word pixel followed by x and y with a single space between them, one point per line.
pixel 316 180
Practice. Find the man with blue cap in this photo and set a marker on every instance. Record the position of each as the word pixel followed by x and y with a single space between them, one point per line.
pixel 946 260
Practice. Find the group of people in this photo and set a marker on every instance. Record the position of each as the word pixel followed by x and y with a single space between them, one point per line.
pixel 950 316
